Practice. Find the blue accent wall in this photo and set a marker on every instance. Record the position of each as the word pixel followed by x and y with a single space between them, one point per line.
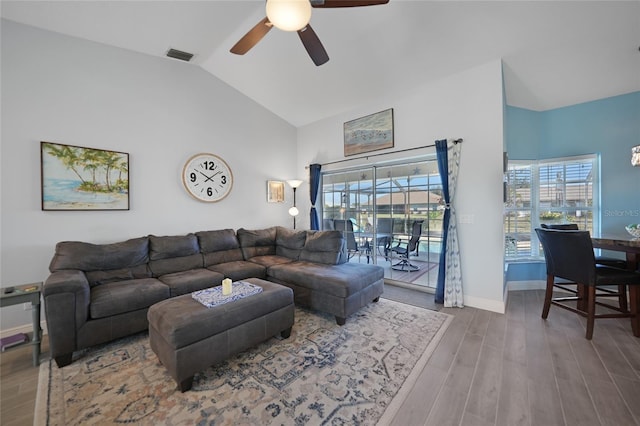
pixel 527 271
pixel 608 127
pixel 524 130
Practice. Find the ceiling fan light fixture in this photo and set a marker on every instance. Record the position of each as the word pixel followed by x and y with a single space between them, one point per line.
pixel 289 15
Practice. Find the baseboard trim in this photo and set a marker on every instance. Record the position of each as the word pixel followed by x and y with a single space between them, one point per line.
pixel 526 285
pixel 26 328
pixel 485 304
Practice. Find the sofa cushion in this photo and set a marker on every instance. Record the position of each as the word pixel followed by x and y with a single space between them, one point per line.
pixel 126 296
pixel 338 280
pixel 111 275
pixel 219 246
pixel 222 239
pixel 289 242
pixel 98 257
pixel 269 260
pixel 324 247
pixel 240 270
pixel 259 242
pixel 172 246
pixel 189 281
pixel 171 254
pixel 176 264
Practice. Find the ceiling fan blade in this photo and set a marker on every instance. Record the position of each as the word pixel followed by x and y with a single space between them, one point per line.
pixel 252 38
pixel 346 3
pixel 313 45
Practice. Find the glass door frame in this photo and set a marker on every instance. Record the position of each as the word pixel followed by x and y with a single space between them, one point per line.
pixel 374 170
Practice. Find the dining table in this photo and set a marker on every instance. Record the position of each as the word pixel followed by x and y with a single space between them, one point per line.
pixel 622 242
pixel 371 240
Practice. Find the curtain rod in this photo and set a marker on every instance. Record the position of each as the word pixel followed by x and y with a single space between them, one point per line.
pixel 455 141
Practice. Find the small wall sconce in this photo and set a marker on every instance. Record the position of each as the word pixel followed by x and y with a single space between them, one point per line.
pixel 293 211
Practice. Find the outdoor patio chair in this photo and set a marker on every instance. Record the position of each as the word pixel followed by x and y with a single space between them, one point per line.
pixel 327 224
pixel 383 244
pixel 409 247
pixel 346 226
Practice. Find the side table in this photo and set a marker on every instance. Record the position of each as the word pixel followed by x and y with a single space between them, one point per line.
pixel 23 294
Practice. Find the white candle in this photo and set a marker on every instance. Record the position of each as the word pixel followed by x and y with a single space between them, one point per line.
pixel 226 287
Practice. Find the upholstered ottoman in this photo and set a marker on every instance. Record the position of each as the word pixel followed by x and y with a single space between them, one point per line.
pixel 188 337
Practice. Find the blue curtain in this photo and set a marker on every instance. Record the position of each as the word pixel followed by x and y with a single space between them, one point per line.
pixel 314 184
pixel 443 168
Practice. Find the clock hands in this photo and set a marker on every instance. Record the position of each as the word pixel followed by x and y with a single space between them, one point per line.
pixel 210 178
pixel 207 177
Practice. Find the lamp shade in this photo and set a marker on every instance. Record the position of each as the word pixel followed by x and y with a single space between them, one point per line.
pixel 294 183
pixel 289 15
pixel 293 211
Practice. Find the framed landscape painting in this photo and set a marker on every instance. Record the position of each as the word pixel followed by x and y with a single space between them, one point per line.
pixel 77 178
pixel 369 133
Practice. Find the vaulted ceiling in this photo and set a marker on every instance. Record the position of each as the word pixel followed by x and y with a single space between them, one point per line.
pixel 554 53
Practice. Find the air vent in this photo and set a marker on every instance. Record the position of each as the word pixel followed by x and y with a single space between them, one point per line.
pixel 178 54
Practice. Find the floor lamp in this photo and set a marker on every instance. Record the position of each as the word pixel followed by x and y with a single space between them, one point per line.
pixel 293 211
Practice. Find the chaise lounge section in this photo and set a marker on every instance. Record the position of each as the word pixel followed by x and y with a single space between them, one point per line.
pixel 100 292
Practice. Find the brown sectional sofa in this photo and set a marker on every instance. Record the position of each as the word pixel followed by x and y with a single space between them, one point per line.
pixel 97 293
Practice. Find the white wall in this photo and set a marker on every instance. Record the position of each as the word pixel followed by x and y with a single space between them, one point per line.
pixel 468 105
pixel 66 90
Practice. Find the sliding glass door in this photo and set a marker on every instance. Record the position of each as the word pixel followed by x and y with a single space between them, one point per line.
pixel 395 214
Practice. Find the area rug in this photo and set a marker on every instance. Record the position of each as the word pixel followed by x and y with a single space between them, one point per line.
pixel 322 374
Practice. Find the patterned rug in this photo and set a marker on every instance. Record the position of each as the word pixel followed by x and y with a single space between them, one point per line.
pixel 323 374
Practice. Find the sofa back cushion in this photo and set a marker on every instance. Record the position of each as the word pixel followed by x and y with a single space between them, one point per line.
pixel 327 247
pixel 94 257
pixel 112 275
pixel 170 254
pixel 289 242
pixel 104 263
pixel 219 246
pixel 261 242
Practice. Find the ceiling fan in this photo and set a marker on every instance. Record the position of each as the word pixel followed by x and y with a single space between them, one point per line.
pixel 294 15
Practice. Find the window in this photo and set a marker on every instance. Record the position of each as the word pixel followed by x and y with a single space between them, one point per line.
pixel 559 190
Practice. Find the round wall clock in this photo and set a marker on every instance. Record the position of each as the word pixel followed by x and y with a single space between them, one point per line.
pixel 207 177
